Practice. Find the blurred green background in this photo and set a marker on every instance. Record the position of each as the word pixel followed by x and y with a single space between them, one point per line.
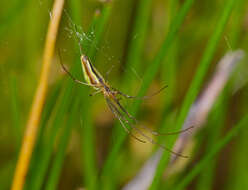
pixel 138 46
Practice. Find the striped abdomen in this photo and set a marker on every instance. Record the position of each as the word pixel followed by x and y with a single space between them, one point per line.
pixel 91 75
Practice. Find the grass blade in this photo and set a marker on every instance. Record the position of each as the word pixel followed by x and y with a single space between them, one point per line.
pixel 133 61
pixel 204 162
pixel 16 111
pixel 59 158
pixel 216 124
pixel 88 130
pixel 47 147
pixel 140 28
pixel 170 66
pixel 100 24
pixel 109 166
pixel 195 85
pixel 48 140
pixel 33 122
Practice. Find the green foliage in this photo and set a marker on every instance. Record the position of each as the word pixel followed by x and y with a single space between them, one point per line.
pixel 210 155
pixel 80 144
pixel 195 84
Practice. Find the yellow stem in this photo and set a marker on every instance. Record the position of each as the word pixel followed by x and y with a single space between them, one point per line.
pixel 38 102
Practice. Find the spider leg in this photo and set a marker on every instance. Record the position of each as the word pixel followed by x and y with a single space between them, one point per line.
pixel 165 134
pixel 147 128
pixel 138 97
pixel 118 116
pixel 173 133
pixel 124 110
pixel 141 133
pixel 156 143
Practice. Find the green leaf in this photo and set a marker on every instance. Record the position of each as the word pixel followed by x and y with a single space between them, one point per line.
pixel 195 86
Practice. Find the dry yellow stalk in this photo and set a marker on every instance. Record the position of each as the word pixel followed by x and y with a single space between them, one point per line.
pixel 38 102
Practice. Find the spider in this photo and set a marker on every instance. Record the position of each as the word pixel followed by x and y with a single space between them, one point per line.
pixel 95 80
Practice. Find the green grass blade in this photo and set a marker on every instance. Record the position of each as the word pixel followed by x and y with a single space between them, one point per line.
pixel 46 150
pixel 133 61
pixel 45 147
pixel 149 75
pixel 237 22
pixel 204 162
pixel 100 26
pixel 170 66
pixel 88 146
pixel 51 102
pixel 87 128
pixel 136 46
pixel 16 114
pixel 216 124
pixel 205 181
pixel 206 60
pixel 237 178
pixel 76 12
pixel 195 86
pixel 48 109
pixel 59 158
pixel 49 139
pixel 154 65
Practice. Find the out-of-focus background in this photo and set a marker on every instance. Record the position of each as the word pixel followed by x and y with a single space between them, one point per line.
pixel 197 48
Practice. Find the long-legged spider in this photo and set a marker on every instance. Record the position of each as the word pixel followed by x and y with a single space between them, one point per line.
pixel 94 79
